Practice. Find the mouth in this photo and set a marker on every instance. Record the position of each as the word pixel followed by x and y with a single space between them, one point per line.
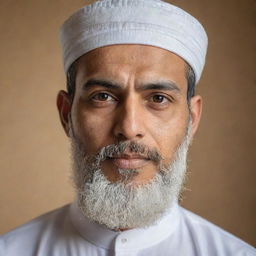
pixel 129 161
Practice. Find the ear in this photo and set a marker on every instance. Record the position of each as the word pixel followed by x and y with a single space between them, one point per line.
pixel 196 105
pixel 64 104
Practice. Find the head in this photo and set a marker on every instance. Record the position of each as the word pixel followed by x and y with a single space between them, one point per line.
pixel 130 110
pixel 130 125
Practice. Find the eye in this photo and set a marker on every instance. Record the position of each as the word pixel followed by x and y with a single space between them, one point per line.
pixel 158 98
pixel 102 96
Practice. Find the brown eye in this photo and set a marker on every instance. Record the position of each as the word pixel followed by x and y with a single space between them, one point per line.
pixel 158 98
pixel 102 96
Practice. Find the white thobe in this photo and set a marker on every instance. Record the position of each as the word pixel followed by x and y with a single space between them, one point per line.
pixel 66 232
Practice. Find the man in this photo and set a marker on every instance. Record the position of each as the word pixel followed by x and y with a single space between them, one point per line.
pixel 130 112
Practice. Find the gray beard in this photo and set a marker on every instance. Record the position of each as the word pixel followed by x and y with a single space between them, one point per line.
pixel 121 205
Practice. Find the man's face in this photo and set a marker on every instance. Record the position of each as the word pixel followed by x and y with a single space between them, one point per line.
pixel 130 93
pixel 130 126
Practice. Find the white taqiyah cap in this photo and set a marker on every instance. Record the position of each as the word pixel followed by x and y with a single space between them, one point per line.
pixel 147 22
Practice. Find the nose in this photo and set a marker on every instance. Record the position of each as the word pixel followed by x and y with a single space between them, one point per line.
pixel 129 123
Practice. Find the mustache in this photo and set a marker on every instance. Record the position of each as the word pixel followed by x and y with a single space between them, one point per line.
pixel 114 150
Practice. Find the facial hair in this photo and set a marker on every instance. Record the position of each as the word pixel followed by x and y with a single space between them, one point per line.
pixel 120 205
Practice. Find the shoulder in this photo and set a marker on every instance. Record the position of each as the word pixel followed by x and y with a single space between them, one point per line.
pixel 213 238
pixel 27 236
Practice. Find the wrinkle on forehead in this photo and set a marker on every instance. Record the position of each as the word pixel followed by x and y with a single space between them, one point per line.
pixel 126 63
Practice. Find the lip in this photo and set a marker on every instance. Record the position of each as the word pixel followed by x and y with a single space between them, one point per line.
pixel 126 161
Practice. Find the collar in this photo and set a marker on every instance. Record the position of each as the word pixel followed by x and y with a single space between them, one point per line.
pixel 129 240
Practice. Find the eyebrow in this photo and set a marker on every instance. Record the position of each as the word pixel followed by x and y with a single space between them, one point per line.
pixel 101 82
pixel 159 85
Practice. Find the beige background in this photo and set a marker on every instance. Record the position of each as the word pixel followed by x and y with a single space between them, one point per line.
pixel 34 158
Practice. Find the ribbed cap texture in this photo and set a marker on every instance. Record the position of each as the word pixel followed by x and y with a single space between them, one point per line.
pixel 147 22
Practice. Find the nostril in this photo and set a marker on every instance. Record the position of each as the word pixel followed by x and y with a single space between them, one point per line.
pixel 121 136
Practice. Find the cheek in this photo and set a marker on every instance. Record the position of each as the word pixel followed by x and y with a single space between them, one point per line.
pixel 168 132
pixel 93 129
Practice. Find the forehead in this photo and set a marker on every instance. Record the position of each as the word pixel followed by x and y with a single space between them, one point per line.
pixel 142 62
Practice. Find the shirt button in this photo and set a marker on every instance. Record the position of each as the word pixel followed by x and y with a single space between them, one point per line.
pixel 123 240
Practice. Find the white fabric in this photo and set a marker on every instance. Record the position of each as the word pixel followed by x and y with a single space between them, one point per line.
pixel 148 22
pixel 65 232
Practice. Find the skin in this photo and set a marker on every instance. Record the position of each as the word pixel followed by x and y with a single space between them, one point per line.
pixel 156 116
